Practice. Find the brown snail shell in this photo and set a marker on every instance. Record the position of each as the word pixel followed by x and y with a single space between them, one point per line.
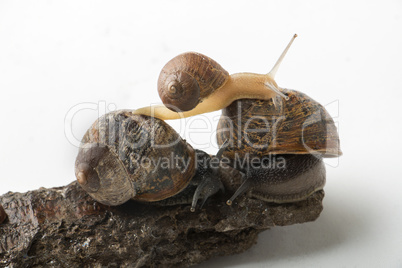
pixel 110 163
pixel 188 78
pixel 299 125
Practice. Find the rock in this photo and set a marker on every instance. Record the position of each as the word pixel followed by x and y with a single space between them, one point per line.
pixel 64 227
pixel 3 214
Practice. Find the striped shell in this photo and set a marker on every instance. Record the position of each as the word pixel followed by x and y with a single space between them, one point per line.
pixel 122 155
pixel 299 125
pixel 188 78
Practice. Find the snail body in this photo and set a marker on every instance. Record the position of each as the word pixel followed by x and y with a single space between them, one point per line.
pixel 127 156
pixel 303 176
pixel 192 83
pixel 295 178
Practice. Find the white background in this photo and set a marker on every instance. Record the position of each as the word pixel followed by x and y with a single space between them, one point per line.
pixel 55 55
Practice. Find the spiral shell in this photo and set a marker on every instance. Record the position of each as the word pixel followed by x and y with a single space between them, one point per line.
pixel 299 125
pixel 120 158
pixel 188 78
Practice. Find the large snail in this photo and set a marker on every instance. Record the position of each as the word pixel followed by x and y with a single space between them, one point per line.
pixel 291 136
pixel 299 130
pixel 129 156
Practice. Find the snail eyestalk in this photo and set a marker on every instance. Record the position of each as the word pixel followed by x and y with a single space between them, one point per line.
pixel 208 186
pixel 243 188
pixel 274 69
pixel 272 87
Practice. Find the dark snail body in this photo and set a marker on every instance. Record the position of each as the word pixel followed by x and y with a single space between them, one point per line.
pixel 300 176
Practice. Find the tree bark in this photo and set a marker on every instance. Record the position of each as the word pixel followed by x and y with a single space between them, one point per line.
pixel 64 227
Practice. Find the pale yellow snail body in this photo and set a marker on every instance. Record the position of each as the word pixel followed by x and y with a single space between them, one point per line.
pixel 192 83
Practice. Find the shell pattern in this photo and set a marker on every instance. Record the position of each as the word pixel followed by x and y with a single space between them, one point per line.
pixel 299 125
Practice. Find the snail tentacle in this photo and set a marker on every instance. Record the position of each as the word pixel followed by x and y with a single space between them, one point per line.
pixel 206 178
pixel 274 69
pixel 243 188
pixel 207 187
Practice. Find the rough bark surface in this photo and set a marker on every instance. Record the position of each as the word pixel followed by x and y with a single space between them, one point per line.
pixel 64 227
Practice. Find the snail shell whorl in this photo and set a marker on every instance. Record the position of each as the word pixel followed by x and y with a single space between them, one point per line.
pixel 188 78
pixel 120 155
pixel 299 125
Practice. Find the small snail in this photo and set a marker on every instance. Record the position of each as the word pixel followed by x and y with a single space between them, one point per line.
pixel 300 133
pixel 128 156
pixel 192 83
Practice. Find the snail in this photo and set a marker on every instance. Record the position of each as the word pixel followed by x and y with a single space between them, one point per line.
pixel 300 132
pixel 129 156
pixel 292 136
pixel 192 83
